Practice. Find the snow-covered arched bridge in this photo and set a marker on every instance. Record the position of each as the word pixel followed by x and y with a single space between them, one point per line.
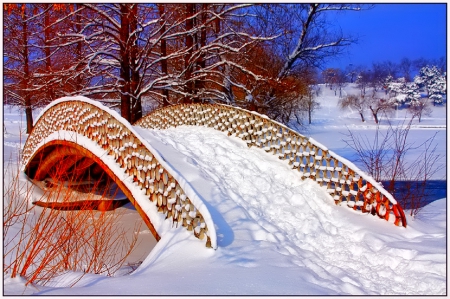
pixel 81 138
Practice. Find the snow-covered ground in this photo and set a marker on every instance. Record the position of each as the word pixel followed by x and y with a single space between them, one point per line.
pixel 277 235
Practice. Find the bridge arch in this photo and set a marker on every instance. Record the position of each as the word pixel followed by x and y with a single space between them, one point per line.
pixel 342 179
pixel 64 153
pixel 85 132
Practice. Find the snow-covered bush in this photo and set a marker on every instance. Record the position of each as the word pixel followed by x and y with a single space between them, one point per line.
pixel 412 94
pixel 403 93
pixel 433 81
pixel 437 90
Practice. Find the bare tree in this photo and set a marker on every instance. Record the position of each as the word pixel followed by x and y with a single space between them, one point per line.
pixel 363 81
pixel 18 65
pixel 378 76
pixel 440 63
pixel 379 105
pixel 330 77
pixel 341 81
pixel 405 68
pixel 356 102
pixel 351 72
pixel 419 108
pixel 128 51
pixel 117 55
pixel 172 52
pixel 313 44
pixel 391 67
pixel 309 102
pixel 384 158
pixel 163 46
pixel 420 63
pixel 305 43
pixel 222 43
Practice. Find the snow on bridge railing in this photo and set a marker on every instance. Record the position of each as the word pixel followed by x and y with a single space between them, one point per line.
pixel 142 167
pixel 341 178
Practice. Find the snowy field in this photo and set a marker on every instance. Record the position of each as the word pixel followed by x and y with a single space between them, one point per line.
pixel 277 235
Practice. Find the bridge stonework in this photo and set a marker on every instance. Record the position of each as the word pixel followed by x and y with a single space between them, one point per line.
pixel 83 119
pixel 342 179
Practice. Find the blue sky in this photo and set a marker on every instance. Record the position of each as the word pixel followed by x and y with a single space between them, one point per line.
pixel 393 31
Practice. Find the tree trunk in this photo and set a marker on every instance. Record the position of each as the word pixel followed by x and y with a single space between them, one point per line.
pixel 79 52
pixel 189 43
pixel 26 71
pixel 136 104
pixel 305 30
pixel 48 61
pixel 309 115
pixel 201 63
pixel 226 88
pixel 125 102
pixel 375 114
pixel 362 117
pixel 164 70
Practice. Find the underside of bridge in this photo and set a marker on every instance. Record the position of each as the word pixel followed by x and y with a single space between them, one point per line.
pixel 61 162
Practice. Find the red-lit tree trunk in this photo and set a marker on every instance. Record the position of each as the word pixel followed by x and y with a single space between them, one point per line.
pixel 130 107
pixel 26 71
pixel 50 94
pixel 78 51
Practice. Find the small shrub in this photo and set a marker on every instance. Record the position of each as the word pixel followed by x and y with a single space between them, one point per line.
pixel 384 159
pixel 43 243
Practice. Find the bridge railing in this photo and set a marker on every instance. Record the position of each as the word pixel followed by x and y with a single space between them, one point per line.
pixel 341 178
pixel 172 195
